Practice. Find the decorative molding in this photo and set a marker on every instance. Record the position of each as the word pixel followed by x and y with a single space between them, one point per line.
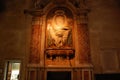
pixel 35 41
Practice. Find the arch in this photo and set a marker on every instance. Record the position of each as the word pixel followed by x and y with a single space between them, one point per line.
pixel 68 5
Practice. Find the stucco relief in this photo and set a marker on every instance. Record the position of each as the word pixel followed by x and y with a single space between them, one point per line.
pixel 59 31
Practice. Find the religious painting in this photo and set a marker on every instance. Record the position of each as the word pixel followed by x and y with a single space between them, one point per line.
pixel 59 30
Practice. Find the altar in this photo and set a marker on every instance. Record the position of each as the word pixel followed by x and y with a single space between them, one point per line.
pixel 59 48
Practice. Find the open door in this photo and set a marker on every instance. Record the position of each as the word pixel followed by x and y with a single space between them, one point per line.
pixel 12 71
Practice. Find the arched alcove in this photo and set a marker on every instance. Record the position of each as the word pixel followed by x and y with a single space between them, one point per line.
pixel 59 42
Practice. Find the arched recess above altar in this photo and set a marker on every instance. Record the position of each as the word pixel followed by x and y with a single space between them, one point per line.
pixel 80 49
pixel 59 40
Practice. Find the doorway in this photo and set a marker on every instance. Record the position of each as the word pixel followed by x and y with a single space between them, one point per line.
pixel 12 71
pixel 58 75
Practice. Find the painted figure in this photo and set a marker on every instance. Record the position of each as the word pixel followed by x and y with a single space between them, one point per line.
pixel 59 30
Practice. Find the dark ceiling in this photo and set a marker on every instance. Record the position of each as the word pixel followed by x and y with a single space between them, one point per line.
pixel 3 4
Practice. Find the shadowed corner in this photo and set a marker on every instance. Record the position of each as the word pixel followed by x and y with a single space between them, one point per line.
pixel 118 2
pixel 2 6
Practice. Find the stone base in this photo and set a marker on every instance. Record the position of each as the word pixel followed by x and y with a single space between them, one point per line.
pixel 70 73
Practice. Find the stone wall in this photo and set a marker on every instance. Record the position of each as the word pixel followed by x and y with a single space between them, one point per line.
pixel 14 33
pixel 104 35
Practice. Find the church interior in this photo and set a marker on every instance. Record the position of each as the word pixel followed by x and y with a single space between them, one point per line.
pixel 59 40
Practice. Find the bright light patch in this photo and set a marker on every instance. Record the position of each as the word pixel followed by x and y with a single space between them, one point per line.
pixel 14 75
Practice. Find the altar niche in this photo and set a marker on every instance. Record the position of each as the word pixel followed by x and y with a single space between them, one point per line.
pixel 59 48
pixel 59 37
